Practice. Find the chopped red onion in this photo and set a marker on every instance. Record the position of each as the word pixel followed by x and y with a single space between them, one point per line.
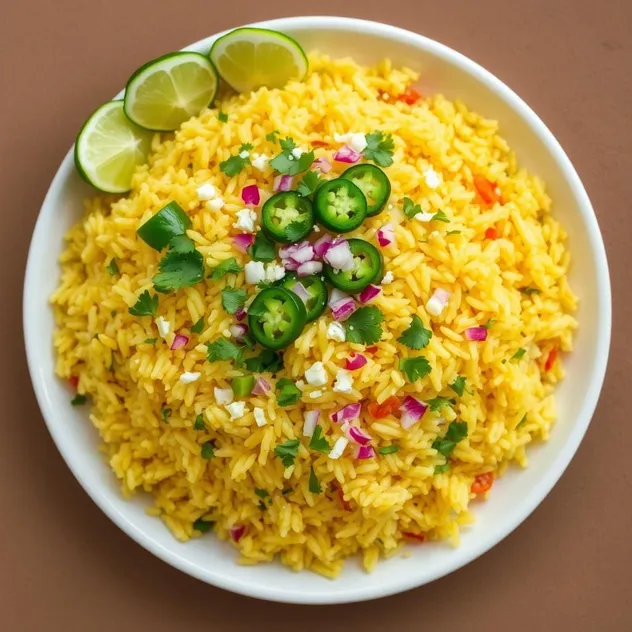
pixel 358 435
pixel 323 245
pixel 343 309
pixel 301 291
pixel 283 183
pixel 238 331
pixel 261 387
pixel 290 264
pixel 369 293
pixel 347 154
pixel 386 235
pixel 413 410
pixel 355 361
pixel 237 532
pixel 478 334
pixel 437 302
pixel 310 422
pixel 296 254
pixel 336 295
pixel 309 267
pixel 250 195
pixel 349 412
pixel 365 452
pixel 243 241
pixel 339 256
pixel 178 342
pixel 322 164
pixel 240 314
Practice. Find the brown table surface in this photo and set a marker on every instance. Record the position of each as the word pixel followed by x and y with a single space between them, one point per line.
pixel 65 566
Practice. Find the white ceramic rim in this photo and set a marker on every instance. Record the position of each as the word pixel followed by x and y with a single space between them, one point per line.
pixel 461 557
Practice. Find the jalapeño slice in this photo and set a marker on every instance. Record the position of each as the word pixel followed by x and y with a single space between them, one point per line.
pixel 276 317
pixel 368 267
pixel 373 182
pixel 315 287
pixel 340 205
pixel 287 217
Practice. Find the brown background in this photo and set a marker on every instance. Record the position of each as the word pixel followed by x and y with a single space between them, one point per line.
pixel 64 566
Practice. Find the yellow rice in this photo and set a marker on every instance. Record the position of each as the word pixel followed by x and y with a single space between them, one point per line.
pixel 129 382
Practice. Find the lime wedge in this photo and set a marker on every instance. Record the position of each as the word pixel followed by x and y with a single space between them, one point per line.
pixel 109 147
pixel 166 92
pixel 249 58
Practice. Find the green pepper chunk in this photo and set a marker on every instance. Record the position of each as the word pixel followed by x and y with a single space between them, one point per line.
pixel 276 317
pixel 368 267
pixel 169 222
pixel 287 217
pixel 316 288
pixel 242 385
pixel 373 182
pixel 340 205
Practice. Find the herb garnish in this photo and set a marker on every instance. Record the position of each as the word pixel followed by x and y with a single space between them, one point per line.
pixel 223 349
pixel 286 163
pixel 287 392
pixel 314 485
pixel 229 266
pixel 233 300
pixel 364 326
pixel 233 165
pixel 456 431
pixel 416 336
pixel 263 248
pixel 379 148
pixel 112 267
pixel 415 368
pixel 146 305
pixel 287 451
pixel 318 442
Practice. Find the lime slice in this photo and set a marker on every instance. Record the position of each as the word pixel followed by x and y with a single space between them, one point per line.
pixel 250 58
pixel 166 92
pixel 109 147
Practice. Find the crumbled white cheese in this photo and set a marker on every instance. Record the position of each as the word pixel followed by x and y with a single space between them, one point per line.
pixel 316 228
pixel 246 219
pixel 255 272
pixel 432 178
pixel 316 374
pixel 316 394
pixel 244 154
pixel 223 395
pixel 260 161
pixel 297 152
pixel 206 191
pixel 190 376
pixel 388 278
pixel 434 234
pixel 335 331
pixel 355 140
pixel 216 204
pixel 260 416
pixel 344 382
pixel 274 272
pixel 434 306
pixel 163 326
pixel 339 448
pixel 236 409
pixel 424 217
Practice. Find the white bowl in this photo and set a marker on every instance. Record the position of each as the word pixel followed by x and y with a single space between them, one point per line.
pixel 515 496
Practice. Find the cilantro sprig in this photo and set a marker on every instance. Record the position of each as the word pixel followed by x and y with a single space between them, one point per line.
pixel 457 431
pixel 229 266
pixel 146 305
pixel 234 165
pixel 182 266
pixel 233 300
pixel 266 361
pixel 263 248
pixel 314 485
pixel 287 451
pixel 223 349
pixel 287 392
pixel 364 326
pixel 318 442
pixel 207 450
pixel 287 163
pixel 437 403
pixel 410 208
pixel 112 267
pixel 309 183
pixel 379 148
pixel 414 368
pixel 198 326
pixel 458 386
pixel 388 449
pixel 416 336
pixel 199 424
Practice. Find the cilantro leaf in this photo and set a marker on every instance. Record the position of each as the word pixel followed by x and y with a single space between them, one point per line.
pixel 318 442
pixel 178 270
pixel 518 354
pixel 287 392
pixel 199 424
pixel 287 144
pixel 272 136
pixel 364 326
pixel 262 493
pixel 456 431
pixel 410 208
pixel 78 400
pixel 379 149
pixel 437 403
pixel 222 116
pixel 208 450
pixel 458 386
pixel 286 163
pixel 287 451
pixel 229 266
pixel 522 421
pixel 444 467
pixel 416 336
pixel 530 290
pixel 263 248
pixel 233 165
pixel 223 349
pixel 165 414
pixel 198 327
pixel 203 526
pixel 388 449
pixel 112 267
pixel 489 323
pixel 182 244
pixel 308 185
pixel 440 216
pixel 233 300
pixel 294 231
pixel 314 485
pixel 146 305
pixel 453 232
pixel 268 360
pixel 415 368
pixel 150 341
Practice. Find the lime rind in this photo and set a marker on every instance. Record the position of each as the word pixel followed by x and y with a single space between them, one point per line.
pixel 167 91
pixel 109 148
pixel 249 58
